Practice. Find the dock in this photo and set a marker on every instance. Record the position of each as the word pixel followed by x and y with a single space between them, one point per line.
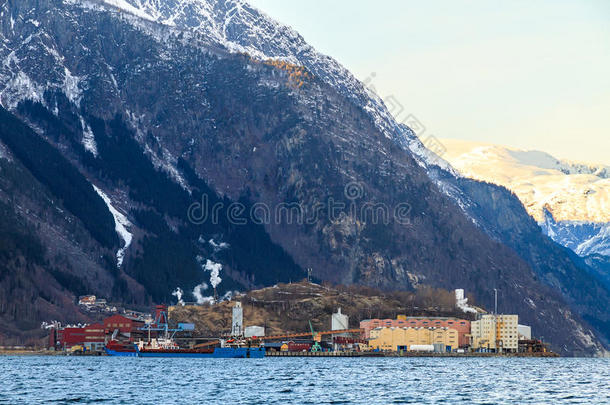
pixel 273 353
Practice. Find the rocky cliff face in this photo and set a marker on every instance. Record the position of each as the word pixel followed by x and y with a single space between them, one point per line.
pixel 204 150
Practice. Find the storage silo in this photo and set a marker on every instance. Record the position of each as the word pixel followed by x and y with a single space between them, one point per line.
pixel 339 321
pixel 238 320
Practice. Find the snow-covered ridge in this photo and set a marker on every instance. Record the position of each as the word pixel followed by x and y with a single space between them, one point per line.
pixel 582 237
pixel 570 191
pixel 570 201
pixel 230 24
pixel 239 27
pixel 125 6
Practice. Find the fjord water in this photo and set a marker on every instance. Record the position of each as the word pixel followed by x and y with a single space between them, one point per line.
pixel 63 380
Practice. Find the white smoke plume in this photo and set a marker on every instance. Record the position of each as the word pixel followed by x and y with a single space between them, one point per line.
pixel 178 294
pixel 462 302
pixel 214 269
pixel 228 296
pixel 218 246
pixel 197 293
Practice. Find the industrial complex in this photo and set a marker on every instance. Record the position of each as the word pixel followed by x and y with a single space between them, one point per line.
pixel 133 333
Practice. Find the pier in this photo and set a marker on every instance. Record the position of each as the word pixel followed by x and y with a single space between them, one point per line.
pixel 273 353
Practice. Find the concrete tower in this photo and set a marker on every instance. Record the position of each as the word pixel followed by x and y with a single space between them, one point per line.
pixel 339 321
pixel 237 326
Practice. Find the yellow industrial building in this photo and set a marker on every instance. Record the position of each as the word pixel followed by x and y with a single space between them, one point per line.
pixel 495 332
pixel 395 339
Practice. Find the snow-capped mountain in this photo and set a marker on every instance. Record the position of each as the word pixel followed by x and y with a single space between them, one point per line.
pixel 571 191
pixel 152 109
pixel 570 200
pixel 584 238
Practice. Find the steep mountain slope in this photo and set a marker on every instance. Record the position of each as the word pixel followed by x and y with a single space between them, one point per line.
pixel 44 253
pixel 601 266
pixel 174 112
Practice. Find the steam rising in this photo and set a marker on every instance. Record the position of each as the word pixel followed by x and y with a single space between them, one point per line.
pixel 462 302
pixel 197 293
pixel 214 269
pixel 218 246
pixel 178 294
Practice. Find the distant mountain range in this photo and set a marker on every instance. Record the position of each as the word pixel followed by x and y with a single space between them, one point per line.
pixel 570 200
pixel 570 191
pixel 124 122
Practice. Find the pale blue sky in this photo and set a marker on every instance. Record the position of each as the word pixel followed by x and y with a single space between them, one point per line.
pixel 528 74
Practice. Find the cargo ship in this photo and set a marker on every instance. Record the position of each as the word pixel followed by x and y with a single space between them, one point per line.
pixel 168 348
pixel 216 352
pixel 114 348
pixel 165 346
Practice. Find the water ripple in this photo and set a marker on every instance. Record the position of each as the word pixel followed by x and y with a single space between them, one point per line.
pixel 108 380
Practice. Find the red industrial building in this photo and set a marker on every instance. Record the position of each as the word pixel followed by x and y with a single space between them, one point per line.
pixel 125 325
pixel 93 337
pixel 90 337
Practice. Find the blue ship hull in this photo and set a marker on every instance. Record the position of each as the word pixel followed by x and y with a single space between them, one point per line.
pixel 111 352
pixel 218 353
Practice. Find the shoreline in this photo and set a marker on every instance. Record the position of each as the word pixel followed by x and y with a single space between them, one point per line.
pixel 25 352
pixel 406 354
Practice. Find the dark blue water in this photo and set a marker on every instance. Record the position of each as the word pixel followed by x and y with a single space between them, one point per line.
pixel 113 380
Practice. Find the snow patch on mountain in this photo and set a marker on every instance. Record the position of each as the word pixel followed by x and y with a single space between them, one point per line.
pixel 88 140
pixel 424 156
pixel 121 225
pixel 71 87
pixel 599 243
pixel 127 7
pixel 18 88
pixel 166 162
pixel 4 153
pixel 18 84
pixel 218 246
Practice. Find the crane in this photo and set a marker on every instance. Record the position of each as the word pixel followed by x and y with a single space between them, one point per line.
pixel 316 344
